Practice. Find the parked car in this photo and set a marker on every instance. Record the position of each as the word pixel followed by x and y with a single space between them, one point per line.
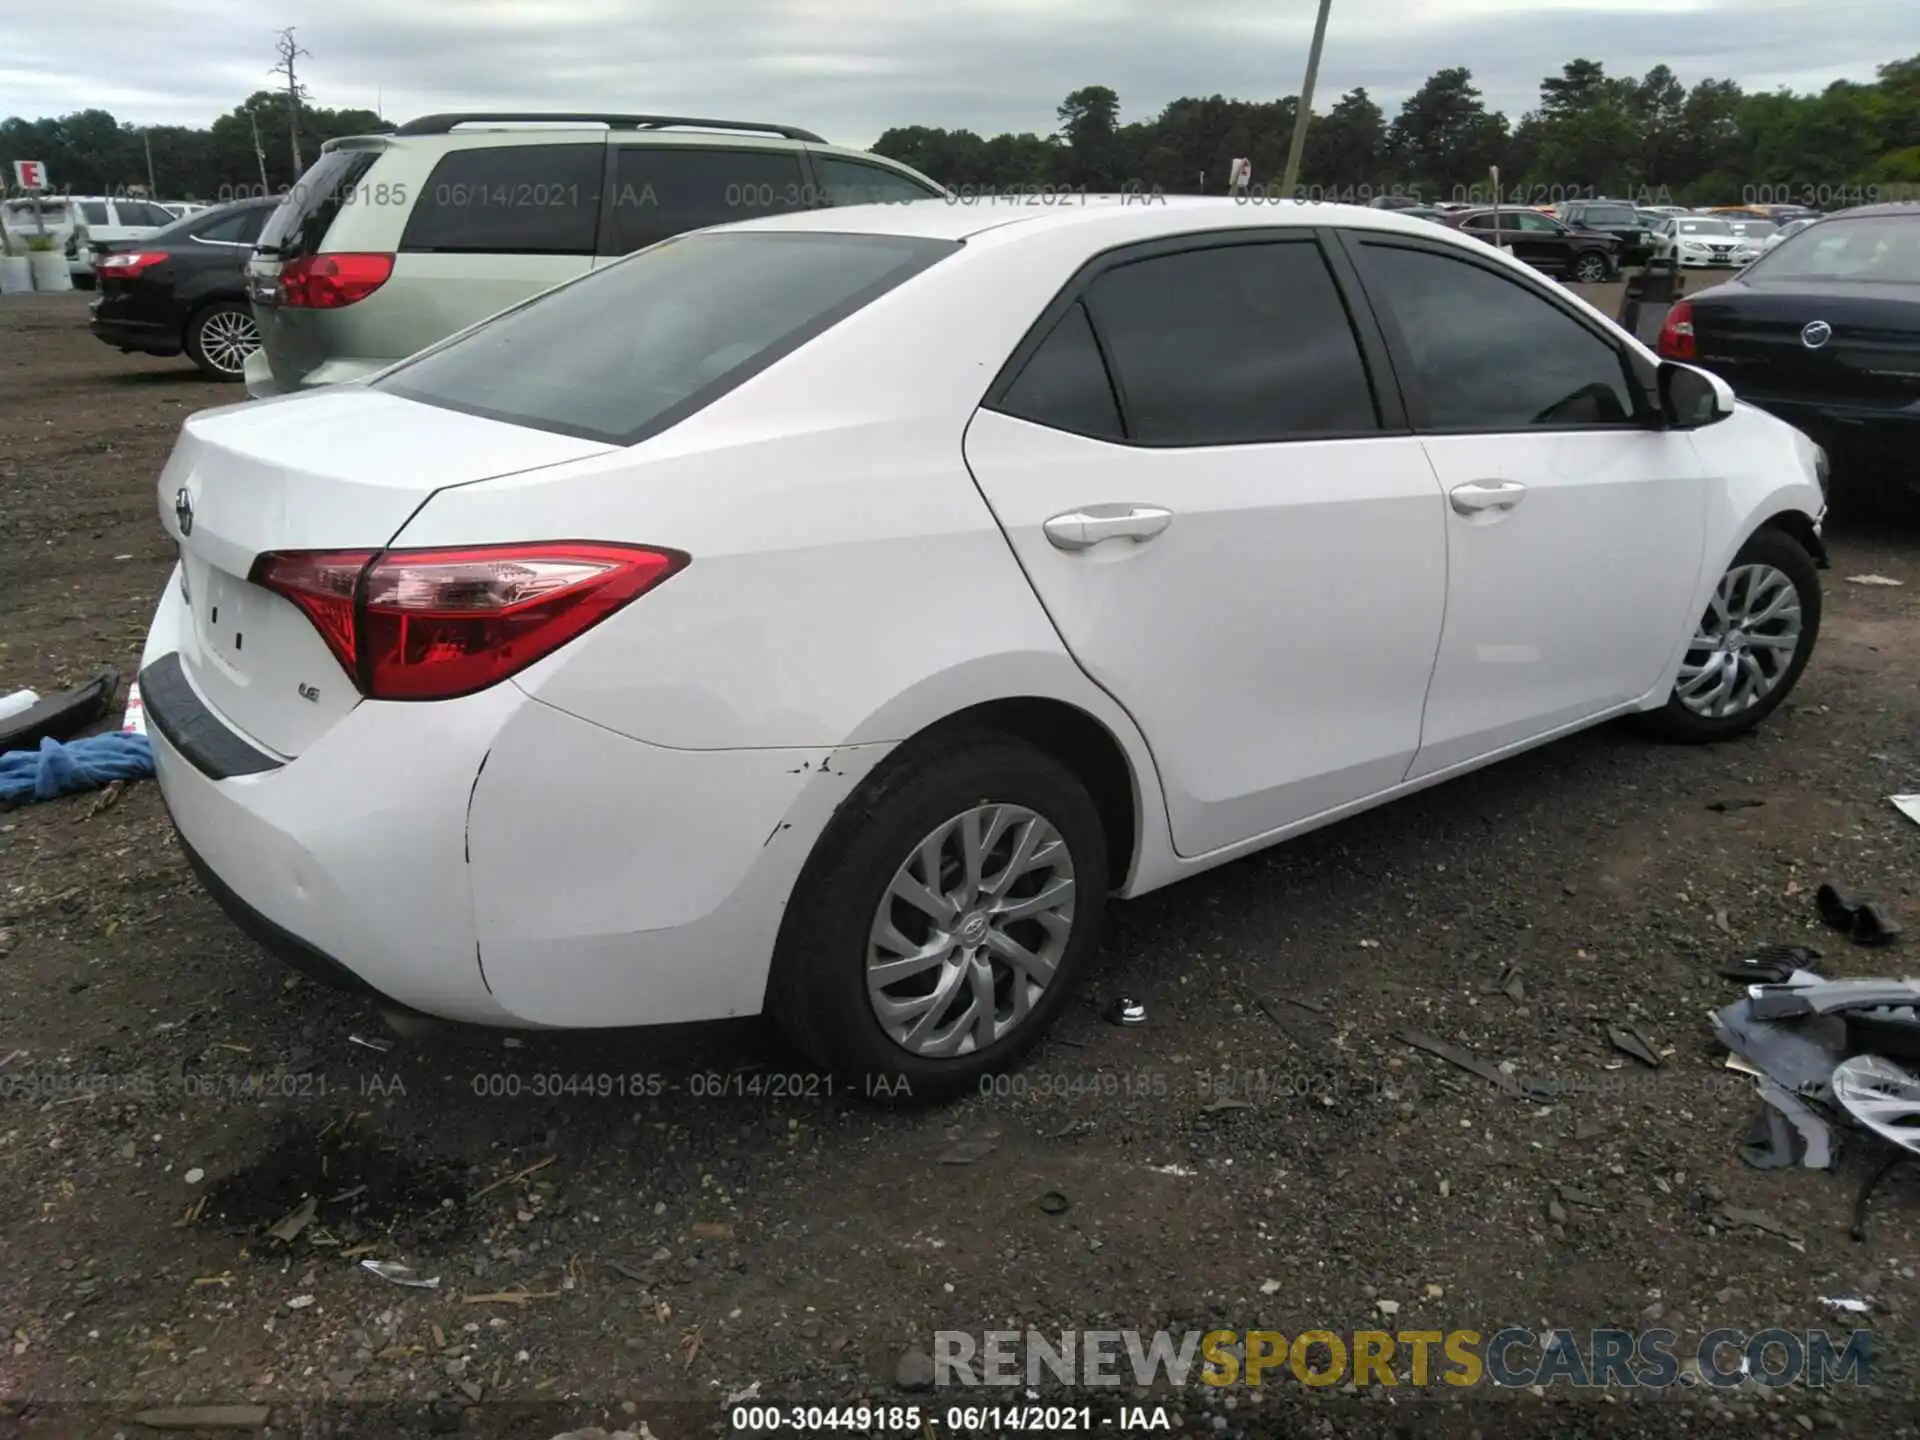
pixel 183 290
pixel 108 220
pixel 391 242
pixel 1824 331
pixel 180 209
pixel 696 639
pixel 1617 218
pixel 1702 242
pixel 1544 242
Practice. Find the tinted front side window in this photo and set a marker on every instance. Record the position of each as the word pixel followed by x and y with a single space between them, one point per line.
pixel 660 191
pixel 1065 385
pixel 1490 354
pixel 1232 344
pixel 633 348
pixel 510 200
pixel 94 212
pixel 849 182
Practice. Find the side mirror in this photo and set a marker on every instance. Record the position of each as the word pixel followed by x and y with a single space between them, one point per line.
pixel 1690 398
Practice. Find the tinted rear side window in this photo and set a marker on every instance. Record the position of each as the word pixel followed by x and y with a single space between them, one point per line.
pixel 663 191
pixel 1064 384
pixel 241 227
pixel 301 222
pixel 94 212
pixel 1231 345
pixel 634 348
pixel 510 200
pixel 853 182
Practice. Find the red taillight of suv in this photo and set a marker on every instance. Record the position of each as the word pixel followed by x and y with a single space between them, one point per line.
pixel 129 264
pixel 327 282
pixel 438 624
pixel 1676 335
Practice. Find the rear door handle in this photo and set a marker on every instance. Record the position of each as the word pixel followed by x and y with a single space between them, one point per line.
pixel 1478 495
pixel 1083 529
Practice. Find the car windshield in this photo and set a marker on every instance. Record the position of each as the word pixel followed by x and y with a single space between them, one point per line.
pixel 627 351
pixel 1703 227
pixel 1754 229
pixel 1872 249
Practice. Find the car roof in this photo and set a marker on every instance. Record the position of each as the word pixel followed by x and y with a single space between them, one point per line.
pixel 1104 220
pixel 1907 208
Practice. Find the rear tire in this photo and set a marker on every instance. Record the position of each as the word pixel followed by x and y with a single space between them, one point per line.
pixel 219 337
pixel 982 985
pixel 1753 643
pixel 1591 268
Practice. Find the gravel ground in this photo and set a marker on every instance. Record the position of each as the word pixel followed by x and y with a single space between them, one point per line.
pixel 1262 1153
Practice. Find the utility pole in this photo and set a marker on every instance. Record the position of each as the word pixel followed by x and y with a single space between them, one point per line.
pixel 1305 112
pixel 259 151
pixel 146 139
pixel 290 51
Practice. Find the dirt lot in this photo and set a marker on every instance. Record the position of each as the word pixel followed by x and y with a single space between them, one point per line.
pixel 167 1092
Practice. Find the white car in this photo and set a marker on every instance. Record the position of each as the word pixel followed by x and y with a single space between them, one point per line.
pixel 1787 231
pixel 83 221
pixel 1705 242
pixel 825 615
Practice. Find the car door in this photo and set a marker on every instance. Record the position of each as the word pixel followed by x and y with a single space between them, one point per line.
pixel 1228 522
pixel 1575 522
pixel 655 191
pixel 1541 241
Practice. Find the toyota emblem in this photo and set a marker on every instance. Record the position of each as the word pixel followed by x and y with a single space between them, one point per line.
pixel 183 510
pixel 1816 334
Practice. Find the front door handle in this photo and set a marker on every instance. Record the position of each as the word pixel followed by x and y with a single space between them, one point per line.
pixel 1478 495
pixel 1083 529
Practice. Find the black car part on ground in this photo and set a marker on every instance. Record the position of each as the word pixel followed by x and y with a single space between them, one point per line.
pixel 62 716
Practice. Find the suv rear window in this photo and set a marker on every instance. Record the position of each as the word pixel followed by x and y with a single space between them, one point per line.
pixel 300 224
pixel 510 200
pixel 630 350
pixel 660 191
pixel 1608 215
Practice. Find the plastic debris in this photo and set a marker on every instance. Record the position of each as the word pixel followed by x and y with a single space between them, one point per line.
pixel 1873 580
pixel 1466 1060
pixel 203 1417
pixel 1860 920
pixel 1629 1041
pixel 57 769
pixel 371 1042
pixel 396 1274
pixel 134 721
pixel 1882 1096
pixel 18 703
pixel 1126 1012
pixel 1846 1304
pixel 1055 1203
pixel 62 716
pixel 1907 805
pixel 289 1226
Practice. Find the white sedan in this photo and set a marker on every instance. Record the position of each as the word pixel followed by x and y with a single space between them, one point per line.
pixel 826 615
pixel 1704 241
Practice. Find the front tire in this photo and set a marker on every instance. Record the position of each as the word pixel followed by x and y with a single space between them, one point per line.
pixel 943 919
pixel 220 337
pixel 1750 646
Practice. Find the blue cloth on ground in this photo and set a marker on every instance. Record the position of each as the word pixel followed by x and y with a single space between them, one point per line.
pixel 55 769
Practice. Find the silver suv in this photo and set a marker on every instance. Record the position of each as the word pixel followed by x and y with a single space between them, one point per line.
pixel 391 242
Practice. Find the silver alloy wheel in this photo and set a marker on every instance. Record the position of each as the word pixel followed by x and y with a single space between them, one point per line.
pixel 227 337
pixel 971 930
pixel 1590 270
pixel 1745 644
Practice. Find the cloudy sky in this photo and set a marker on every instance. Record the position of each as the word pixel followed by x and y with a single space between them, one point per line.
pixel 852 68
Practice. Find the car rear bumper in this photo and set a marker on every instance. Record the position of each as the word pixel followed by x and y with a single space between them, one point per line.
pixel 493 859
pixel 146 336
pixel 261 384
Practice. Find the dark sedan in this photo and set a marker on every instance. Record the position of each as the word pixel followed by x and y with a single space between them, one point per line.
pixel 183 290
pixel 1824 331
pixel 1543 242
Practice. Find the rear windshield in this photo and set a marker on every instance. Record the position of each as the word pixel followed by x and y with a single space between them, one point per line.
pixel 630 350
pixel 300 224
pixel 1609 215
pixel 1873 249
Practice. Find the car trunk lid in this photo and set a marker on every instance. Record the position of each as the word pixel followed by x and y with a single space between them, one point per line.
pixel 335 470
pixel 1761 337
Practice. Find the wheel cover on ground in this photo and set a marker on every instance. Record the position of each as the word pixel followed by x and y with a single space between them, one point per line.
pixel 971 931
pixel 226 338
pixel 1745 643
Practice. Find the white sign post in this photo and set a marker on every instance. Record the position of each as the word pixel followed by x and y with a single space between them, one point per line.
pixel 31 176
pixel 1240 176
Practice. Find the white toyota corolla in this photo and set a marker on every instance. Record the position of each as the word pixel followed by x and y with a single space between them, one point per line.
pixel 826 615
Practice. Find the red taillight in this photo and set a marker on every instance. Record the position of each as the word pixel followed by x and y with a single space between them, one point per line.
pixel 436 624
pixel 129 265
pixel 1676 335
pixel 326 282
